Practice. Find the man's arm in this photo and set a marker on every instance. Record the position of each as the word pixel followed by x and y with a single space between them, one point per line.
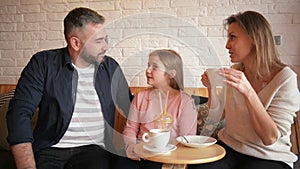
pixel 23 156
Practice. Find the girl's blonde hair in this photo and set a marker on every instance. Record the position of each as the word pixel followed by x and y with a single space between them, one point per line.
pixel 171 61
pixel 259 29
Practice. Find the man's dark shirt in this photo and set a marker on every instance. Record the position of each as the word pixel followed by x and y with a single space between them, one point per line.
pixel 49 81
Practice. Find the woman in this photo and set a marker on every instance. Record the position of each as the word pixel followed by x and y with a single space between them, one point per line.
pixel 261 98
pixel 164 74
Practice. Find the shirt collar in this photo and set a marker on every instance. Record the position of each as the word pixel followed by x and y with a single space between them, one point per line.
pixel 67 58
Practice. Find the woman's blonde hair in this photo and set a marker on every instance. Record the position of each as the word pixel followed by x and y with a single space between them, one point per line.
pixel 171 61
pixel 259 29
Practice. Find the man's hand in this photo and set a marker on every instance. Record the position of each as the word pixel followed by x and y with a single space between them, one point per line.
pixel 23 156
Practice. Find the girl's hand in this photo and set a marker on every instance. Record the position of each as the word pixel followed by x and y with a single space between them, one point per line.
pixel 131 154
pixel 237 79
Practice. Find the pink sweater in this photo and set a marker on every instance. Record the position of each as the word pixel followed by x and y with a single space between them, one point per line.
pixel 144 108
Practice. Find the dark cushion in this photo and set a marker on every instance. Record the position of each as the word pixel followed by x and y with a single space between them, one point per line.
pixel 206 126
pixel 199 99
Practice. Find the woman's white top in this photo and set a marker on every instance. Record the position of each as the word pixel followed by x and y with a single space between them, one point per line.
pixel 281 99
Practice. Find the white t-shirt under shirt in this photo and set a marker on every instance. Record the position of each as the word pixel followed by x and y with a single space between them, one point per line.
pixel 87 123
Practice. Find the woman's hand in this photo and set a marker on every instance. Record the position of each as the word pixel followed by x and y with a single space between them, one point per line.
pixel 131 154
pixel 205 80
pixel 236 79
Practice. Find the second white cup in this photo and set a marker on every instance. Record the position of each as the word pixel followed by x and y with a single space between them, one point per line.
pixel 215 78
pixel 158 138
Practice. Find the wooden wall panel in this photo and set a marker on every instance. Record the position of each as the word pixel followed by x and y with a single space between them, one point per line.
pixel 4 88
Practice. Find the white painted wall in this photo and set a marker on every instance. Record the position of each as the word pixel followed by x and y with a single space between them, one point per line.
pixel 136 27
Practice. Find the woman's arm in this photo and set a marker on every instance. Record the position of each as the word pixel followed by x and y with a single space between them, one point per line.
pixel 215 102
pixel 263 124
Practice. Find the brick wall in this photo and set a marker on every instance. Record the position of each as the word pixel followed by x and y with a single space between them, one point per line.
pixel 191 27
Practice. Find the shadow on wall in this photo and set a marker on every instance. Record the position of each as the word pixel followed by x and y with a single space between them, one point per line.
pixel 132 38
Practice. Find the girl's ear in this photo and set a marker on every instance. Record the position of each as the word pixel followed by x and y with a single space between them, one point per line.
pixel 172 73
pixel 75 43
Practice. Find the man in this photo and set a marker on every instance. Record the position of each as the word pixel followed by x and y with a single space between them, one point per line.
pixel 77 89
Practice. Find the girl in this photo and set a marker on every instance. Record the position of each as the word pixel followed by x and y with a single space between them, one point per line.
pixel 165 74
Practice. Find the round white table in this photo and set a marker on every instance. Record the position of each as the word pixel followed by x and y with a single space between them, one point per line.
pixel 182 155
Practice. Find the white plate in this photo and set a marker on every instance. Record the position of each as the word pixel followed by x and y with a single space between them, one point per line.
pixel 168 148
pixel 196 141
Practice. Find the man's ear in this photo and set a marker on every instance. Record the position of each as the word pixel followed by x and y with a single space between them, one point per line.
pixel 75 43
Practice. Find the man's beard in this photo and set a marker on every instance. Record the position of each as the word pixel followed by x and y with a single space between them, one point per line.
pixel 93 59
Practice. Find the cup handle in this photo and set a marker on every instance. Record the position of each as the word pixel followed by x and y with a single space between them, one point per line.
pixel 145 137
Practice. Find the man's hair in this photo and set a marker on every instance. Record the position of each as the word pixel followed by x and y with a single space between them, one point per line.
pixel 78 18
pixel 171 61
pixel 259 29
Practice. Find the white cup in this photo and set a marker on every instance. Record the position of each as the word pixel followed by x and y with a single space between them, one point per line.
pixel 214 77
pixel 158 138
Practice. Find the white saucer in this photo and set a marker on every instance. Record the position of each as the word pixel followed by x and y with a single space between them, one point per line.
pixel 196 141
pixel 168 148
